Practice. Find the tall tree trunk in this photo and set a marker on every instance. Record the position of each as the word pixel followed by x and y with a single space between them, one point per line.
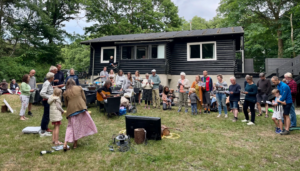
pixel 280 42
pixel 292 36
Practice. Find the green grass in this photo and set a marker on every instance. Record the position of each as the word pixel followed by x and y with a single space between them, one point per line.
pixel 206 143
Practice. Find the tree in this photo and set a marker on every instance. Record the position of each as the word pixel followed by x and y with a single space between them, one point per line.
pixel 131 16
pixel 199 23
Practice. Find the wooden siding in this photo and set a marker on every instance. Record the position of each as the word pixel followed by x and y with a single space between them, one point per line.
pixel 223 65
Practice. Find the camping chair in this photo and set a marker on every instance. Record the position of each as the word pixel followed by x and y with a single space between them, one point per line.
pixel 112 105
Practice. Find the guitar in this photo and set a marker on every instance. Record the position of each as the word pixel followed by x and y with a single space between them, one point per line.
pixel 101 98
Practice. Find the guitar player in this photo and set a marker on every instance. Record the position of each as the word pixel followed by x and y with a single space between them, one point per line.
pixel 105 91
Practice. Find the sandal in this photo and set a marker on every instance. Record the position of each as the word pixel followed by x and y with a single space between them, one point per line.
pixel 75 144
pixel 266 116
pixel 259 114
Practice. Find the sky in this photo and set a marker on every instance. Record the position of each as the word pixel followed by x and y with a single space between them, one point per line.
pixel 187 9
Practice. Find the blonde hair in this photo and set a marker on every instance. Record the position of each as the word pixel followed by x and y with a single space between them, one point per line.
pixel 111 57
pixel 52 68
pixel 288 74
pixel 248 77
pixel 57 92
pixel 193 90
pixel 274 91
pixel 69 85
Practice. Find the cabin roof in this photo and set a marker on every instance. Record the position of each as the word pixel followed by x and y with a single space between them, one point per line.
pixel 167 35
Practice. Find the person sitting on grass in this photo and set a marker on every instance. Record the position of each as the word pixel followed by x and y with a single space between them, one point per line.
pixel 172 96
pixel 56 112
pixel 4 86
pixel 167 102
pixel 24 97
pixel 278 111
pixel 194 98
pixel 14 85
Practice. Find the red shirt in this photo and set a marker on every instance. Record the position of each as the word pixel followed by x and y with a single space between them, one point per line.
pixel 293 86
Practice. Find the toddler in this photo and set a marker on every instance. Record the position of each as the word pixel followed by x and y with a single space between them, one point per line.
pixel 194 98
pixel 278 111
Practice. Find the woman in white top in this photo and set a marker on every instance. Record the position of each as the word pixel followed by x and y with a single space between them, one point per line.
pixel 137 83
pixel 111 74
pixel 128 83
pixel 120 78
pixel 147 90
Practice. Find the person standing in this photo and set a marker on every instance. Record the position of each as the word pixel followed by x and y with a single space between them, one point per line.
pixel 286 96
pixel 120 78
pixel 128 82
pixel 197 86
pixel 24 97
pixel 206 91
pixel 147 91
pixel 250 100
pixel 234 97
pixel 221 87
pixel 293 86
pixel 111 74
pixel 104 74
pixel 155 81
pixel 45 93
pixel 264 88
pixel 137 84
pixel 73 76
pixel 183 86
pixel 80 123
pixel 32 83
pixel 194 98
pixel 59 77
pixel 52 69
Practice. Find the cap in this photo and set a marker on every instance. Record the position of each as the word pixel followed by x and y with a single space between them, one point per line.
pixel 153 70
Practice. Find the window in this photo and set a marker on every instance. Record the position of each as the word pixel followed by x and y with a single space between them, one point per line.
pixel 142 52
pixel 158 51
pixel 106 53
pixel 201 51
pixel 128 52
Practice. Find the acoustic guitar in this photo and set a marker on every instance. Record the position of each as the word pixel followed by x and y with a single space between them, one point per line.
pixel 101 98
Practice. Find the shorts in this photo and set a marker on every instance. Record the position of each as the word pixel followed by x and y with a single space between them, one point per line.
pixel 287 109
pixel 261 98
pixel 206 98
pixel 234 105
pixel 56 123
pixel 278 115
pixel 31 97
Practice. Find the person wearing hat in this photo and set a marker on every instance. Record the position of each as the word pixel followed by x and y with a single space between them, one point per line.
pixel 183 86
pixel 264 88
pixel 4 86
pixel 155 81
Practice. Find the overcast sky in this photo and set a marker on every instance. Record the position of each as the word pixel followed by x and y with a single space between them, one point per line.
pixel 187 9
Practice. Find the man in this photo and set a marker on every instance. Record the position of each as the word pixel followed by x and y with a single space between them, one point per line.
pixel 104 75
pixel 4 86
pixel 73 76
pixel 59 77
pixel 105 88
pixel 155 81
pixel 32 83
pixel 286 96
pixel 293 86
pixel 206 92
pixel 264 88
pixel 52 69
pixel 234 97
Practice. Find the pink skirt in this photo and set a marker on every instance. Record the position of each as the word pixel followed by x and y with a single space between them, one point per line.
pixel 79 126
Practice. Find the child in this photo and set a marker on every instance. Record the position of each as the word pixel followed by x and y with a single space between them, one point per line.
pixel 194 98
pixel 278 111
pixel 172 96
pixel 166 100
pixel 111 62
pixel 55 114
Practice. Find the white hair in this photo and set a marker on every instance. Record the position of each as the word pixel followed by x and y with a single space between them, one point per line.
pixel 232 78
pixel 288 74
pixel 182 73
pixel 49 75
pixel 147 74
pixel 52 68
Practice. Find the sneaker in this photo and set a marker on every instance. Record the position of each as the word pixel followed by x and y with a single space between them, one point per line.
pixel 186 111
pixel 49 130
pixel 193 113
pixel 179 110
pixel 285 132
pixel 196 113
pixel 218 116
pixel 226 116
pixel 250 123
pixel 29 113
pixel 208 112
pixel 245 120
pixel 45 134
pixel 278 131
pixel 205 111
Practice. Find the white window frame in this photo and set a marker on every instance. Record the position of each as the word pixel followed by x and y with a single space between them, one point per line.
pixel 115 54
pixel 200 44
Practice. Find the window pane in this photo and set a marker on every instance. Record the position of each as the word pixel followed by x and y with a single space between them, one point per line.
pixel 208 51
pixel 154 51
pixel 194 51
pixel 127 52
pixel 107 53
pixel 141 52
pixel 161 51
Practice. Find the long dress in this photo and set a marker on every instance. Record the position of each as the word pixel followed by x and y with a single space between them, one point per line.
pixel 199 93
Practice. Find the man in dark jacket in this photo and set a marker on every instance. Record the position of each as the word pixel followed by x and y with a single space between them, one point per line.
pixel 59 77
pixel 234 97
pixel 264 88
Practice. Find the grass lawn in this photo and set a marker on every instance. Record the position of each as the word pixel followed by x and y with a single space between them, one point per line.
pixel 206 143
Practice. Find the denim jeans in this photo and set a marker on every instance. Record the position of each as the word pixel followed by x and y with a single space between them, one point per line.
pixel 221 99
pixel 194 107
pixel 293 116
pixel 45 119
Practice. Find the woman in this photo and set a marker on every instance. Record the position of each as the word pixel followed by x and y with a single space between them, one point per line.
pixel 128 83
pixel 250 100
pixel 137 84
pixel 183 86
pixel 147 91
pixel 80 123
pixel 111 79
pixel 221 87
pixel 24 97
pixel 120 78
pixel 45 93
pixel 14 85
pixel 197 86
pixel 165 98
pixel 111 74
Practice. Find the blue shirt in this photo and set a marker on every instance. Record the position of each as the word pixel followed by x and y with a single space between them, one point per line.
pixel 285 93
pixel 252 91
pixel 60 77
pixel 75 78
pixel 236 89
